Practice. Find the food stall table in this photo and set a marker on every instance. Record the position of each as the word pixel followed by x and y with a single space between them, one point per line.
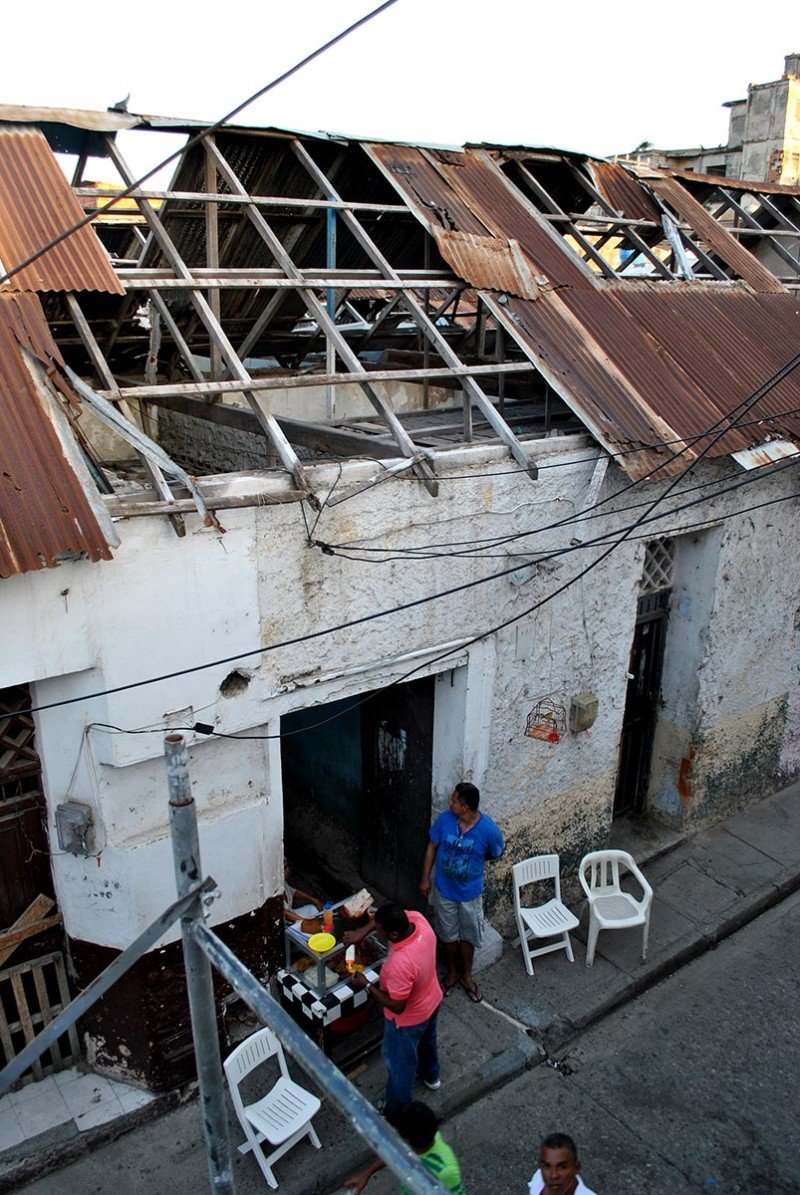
pixel 331 1010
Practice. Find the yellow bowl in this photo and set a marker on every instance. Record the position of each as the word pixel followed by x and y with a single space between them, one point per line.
pixel 321 943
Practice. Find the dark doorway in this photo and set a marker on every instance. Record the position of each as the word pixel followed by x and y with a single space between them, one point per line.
pixel 357 789
pixel 641 703
pixel 24 848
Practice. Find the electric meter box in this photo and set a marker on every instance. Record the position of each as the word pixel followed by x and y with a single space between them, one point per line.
pixel 583 712
pixel 73 822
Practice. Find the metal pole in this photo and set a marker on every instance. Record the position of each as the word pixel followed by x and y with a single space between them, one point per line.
pixel 362 1116
pixel 186 855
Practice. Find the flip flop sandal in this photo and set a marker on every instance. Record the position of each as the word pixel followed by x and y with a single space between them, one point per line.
pixel 473 992
pixel 449 988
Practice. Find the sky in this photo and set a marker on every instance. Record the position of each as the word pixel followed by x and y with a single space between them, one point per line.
pixel 586 76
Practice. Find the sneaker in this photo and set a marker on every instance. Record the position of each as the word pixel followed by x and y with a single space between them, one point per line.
pixel 434 1086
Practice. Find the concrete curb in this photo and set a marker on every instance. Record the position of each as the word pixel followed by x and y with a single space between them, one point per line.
pixel 565 1031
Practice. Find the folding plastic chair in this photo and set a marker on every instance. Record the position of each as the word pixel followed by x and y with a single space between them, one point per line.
pixel 283 1116
pixel 609 906
pixel 549 920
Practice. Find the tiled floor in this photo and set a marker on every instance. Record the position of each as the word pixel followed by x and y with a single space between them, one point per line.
pixel 88 1100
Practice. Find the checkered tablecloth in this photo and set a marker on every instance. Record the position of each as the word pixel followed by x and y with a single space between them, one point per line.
pixel 342 1001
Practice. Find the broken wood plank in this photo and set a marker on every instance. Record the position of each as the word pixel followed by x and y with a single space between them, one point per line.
pixel 35 912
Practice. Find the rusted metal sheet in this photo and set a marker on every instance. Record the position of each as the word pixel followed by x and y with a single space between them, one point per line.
pixel 652 369
pixel 484 189
pixel 766 454
pixel 421 186
pixel 714 234
pixel 622 191
pixel 731 184
pixel 44 511
pixel 489 263
pixel 36 204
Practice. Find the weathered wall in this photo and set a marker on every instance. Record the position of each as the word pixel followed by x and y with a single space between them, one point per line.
pixel 165 604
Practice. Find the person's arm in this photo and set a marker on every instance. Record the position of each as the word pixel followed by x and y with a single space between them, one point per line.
pixel 353 937
pixel 306 898
pixel 427 868
pixel 359 1181
pixel 289 915
pixel 378 994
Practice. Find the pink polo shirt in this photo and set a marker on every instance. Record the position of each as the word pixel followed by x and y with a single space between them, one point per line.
pixel 409 974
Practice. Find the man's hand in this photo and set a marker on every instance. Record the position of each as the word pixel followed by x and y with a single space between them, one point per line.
pixel 425 886
pixel 358 981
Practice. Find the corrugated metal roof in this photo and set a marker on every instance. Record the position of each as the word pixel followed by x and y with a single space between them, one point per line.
pixel 623 192
pixel 44 511
pixel 489 263
pixel 715 235
pixel 643 363
pixel 36 204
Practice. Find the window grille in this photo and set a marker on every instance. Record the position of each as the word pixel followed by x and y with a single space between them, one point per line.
pixel 659 566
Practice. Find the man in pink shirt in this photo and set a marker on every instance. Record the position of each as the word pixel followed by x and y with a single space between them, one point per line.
pixel 409 993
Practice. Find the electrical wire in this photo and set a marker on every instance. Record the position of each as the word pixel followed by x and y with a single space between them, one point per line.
pixel 195 140
pixel 366 618
pixel 347 552
pixel 208 730
pixel 746 404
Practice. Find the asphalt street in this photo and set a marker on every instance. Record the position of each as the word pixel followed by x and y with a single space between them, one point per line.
pixel 692 1087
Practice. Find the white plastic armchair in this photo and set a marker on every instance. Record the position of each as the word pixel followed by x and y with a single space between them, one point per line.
pixel 549 920
pixel 283 1116
pixel 609 906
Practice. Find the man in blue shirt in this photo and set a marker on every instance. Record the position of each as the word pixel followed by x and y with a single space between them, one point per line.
pixel 461 840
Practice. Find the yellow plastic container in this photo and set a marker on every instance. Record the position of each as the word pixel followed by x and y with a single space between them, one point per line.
pixel 321 943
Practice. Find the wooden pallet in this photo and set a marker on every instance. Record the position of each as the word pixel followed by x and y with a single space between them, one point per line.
pixel 31 996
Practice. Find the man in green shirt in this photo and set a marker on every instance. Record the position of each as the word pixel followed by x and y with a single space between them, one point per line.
pixel 419 1126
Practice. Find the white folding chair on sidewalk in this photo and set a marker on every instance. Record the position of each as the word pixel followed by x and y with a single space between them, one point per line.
pixel 549 920
pixel 283 1116
pixel 609 906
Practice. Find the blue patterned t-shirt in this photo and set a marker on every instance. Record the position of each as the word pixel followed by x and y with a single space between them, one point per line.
pixel 460 856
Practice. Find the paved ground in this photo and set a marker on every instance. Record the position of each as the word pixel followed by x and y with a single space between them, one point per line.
pixel 706 888
pixel 692 1087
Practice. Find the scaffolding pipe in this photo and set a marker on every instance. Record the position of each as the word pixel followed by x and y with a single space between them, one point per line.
pixel 199 983
pixel 365 1120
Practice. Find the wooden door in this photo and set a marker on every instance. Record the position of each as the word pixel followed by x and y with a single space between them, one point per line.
pixel 397 743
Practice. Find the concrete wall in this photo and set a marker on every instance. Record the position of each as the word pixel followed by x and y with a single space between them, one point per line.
pixel 165 604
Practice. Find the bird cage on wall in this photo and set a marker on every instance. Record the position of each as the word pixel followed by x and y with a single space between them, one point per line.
pixel 547 721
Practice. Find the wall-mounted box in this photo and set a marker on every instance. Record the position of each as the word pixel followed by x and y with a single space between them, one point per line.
pixel 583 712
pixel 73 823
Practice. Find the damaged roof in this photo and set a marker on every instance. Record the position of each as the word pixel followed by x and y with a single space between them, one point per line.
pixel 642 362
pixel 45 513
pixel 648 302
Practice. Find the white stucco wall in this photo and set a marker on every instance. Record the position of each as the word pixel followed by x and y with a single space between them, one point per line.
pixel 165 604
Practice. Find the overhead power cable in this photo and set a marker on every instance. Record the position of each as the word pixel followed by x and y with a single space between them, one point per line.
pixel 207 729
pixel 366 618
pixel 483 550
pixel 195 140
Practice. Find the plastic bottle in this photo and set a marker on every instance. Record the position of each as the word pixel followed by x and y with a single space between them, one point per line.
pixel 327 917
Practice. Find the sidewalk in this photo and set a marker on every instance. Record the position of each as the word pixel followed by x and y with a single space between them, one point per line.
pixel 705 888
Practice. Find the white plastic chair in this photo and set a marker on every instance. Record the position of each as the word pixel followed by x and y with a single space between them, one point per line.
pixel 283 1116
pixel 609 906
pixel 549 920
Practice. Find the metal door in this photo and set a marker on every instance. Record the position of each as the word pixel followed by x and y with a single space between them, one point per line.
pixel 641 703
pixel 397 738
